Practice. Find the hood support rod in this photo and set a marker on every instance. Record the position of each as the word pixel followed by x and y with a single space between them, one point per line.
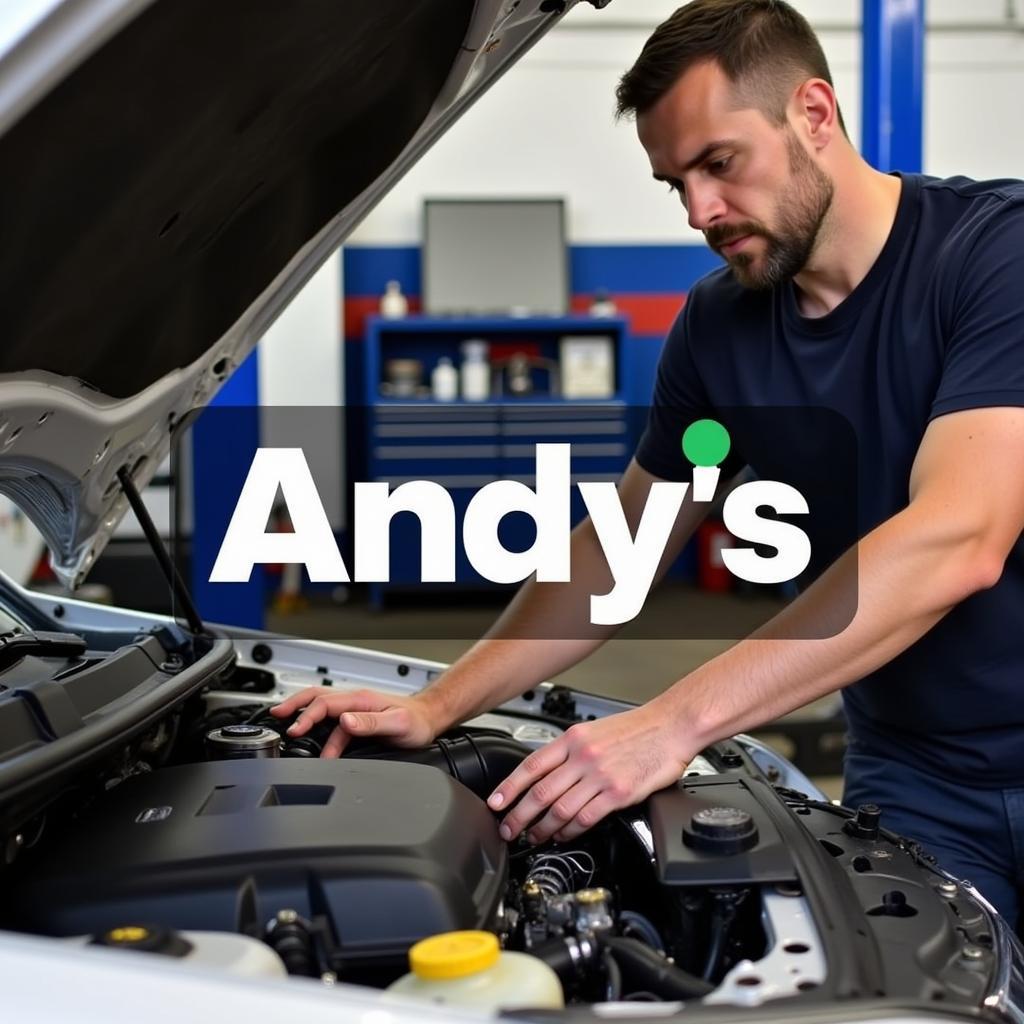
pixel 171 574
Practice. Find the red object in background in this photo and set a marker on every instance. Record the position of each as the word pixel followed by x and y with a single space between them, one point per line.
pixel 507 349
pixel 712 574
pixel 43 572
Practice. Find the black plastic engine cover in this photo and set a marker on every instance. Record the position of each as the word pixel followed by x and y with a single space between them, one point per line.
pixel 388 852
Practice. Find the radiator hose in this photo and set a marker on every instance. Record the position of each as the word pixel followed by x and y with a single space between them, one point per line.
pixel 644 969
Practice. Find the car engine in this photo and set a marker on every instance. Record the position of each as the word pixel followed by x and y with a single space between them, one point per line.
pixel 724 888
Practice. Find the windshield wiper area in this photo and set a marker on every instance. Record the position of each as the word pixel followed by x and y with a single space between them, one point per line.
pixel 17 644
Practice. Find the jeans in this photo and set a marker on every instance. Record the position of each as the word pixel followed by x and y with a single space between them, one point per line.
pixel 975 834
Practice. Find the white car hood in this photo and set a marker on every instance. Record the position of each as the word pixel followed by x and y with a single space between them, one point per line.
pixel 171 174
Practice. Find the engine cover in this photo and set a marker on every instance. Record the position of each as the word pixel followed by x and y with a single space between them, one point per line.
pixel 387 852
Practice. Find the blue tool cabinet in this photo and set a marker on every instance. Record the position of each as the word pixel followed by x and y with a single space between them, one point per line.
pixel 464 445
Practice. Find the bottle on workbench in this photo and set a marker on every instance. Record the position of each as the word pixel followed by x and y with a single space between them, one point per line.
pixel 475 371
pixel 444 381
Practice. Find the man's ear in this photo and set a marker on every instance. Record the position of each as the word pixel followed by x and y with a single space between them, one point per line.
pixel 816 111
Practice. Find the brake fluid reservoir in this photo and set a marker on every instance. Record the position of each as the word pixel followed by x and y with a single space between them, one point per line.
pixel 470 969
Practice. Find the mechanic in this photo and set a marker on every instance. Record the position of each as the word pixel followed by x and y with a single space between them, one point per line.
pixel 896 300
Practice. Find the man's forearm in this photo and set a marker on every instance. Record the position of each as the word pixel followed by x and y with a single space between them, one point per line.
pixel 545 629
pixel 907 574
pixel 965 515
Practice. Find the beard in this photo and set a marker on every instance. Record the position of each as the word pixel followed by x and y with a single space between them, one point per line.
pixel 799 216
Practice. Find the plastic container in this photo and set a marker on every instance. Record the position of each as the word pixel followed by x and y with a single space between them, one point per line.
pixel 393 304
pixel 444 381
pixel 222 951
pixel 403 377
pixel 470 969
pixel 475 371
pixel 603 305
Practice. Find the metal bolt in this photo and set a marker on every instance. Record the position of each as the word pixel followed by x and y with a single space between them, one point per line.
pixel 328 977
pixel 948 889
pixel 972 952
pixel 287 917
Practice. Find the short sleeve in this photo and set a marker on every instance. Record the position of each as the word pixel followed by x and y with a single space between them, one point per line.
pixel 983 363
pixel 679 399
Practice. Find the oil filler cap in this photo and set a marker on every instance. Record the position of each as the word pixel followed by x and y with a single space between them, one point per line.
pixel 721 830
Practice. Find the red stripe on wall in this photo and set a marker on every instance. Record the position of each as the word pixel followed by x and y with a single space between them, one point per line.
pixel 647 314
pixel 359 307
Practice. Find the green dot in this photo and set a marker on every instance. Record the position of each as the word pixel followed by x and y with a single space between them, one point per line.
pixel 706 443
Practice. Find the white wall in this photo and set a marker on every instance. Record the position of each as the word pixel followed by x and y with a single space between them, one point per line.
pixel 547 127
pixel 301 364
pixel 300 358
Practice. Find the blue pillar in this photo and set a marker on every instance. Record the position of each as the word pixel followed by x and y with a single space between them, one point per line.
pixel 892 83
pixel 224 440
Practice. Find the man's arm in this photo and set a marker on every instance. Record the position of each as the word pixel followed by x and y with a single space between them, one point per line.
pixel 966 512
pixel 545 630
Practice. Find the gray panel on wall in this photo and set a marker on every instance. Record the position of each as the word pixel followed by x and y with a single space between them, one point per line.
pixel 484 257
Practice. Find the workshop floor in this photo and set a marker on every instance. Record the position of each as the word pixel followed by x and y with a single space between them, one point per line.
pixel 628 668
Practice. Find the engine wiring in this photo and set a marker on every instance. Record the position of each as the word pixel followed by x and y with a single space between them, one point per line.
pixel 560 872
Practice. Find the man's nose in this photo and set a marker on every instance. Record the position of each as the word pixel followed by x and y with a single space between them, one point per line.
pixel 704 206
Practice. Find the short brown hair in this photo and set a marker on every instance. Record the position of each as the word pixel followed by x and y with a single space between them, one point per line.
pixel 763 46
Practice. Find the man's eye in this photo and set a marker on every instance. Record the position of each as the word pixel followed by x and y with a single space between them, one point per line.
pixel 675 186
pixel 719 165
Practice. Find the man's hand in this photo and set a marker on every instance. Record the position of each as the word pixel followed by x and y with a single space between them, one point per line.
pixel 592 770
pixel 405 721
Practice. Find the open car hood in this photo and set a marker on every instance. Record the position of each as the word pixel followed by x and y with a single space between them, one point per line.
pixel 171 174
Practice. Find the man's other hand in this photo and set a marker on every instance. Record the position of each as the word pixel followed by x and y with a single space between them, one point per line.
pixel 403 721
pixel 593 769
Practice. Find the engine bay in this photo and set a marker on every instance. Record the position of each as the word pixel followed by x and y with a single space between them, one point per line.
pixel 211 824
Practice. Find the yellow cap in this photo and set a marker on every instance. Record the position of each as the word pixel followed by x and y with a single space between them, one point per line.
pixel 454 955
pixel 130 933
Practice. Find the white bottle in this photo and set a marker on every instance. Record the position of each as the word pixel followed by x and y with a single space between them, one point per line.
pixel 470 969
pixel 444 381
pixel 475 371
pixel 393 303
pixel 603 304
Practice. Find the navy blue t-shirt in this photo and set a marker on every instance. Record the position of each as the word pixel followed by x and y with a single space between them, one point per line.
pixel 936 326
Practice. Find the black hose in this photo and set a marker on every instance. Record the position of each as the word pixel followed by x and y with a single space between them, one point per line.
pixel 643 968
pixel 478 762
pixel 726 906
pixel 716 948
pixel 633 921
pixel 613 989
pixel 556 954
